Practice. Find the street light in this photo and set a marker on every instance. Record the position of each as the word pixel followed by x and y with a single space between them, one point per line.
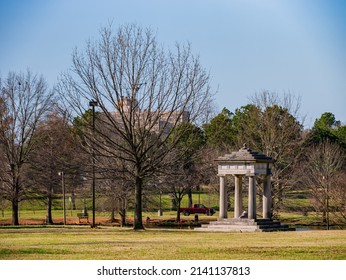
pixel 92 104
pixel 63 194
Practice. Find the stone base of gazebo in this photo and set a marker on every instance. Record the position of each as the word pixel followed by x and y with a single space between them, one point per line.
pixel 242 225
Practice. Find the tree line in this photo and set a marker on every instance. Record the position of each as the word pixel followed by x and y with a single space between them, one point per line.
pixel 305 159
pixel 152 128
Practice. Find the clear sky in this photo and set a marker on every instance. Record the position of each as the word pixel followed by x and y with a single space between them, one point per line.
pixel 296 46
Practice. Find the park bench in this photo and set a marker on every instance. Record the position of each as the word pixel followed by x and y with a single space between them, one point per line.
pixel 83 215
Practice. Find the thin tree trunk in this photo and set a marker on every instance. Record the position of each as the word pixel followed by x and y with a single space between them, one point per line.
pixel 122 211
pixel 49 210
pixel 138 223
pixel 113 209
pixel 73 200
pixel 178 209
pixel 15 198
pixel 123 217
pixel 189 193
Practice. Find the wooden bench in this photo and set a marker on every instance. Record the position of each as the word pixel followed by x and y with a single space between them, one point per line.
pixel 83 216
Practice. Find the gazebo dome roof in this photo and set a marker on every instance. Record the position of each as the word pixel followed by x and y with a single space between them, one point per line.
pixel 245 155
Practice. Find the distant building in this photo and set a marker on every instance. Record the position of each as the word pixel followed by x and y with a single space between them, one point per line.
pixel 157 120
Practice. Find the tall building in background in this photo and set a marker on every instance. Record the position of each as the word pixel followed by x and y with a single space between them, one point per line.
pixel 158 120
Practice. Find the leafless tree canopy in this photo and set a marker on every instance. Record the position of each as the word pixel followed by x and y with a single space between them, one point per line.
pixel 57 150
pixel 24 100
pixel 142 92
pixel 279 123
pixel 274 127
pixel 322 173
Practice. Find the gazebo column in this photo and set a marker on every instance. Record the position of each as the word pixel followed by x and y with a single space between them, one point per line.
pixel 267 197
pixel 252 198
pixel 238 199
pixel 223 199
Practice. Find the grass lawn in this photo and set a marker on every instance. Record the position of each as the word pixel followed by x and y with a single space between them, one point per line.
pixel 82 242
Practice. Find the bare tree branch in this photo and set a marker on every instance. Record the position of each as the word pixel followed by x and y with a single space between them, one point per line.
pixel 143 92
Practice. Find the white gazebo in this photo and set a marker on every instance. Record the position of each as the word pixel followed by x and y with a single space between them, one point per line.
pixel 249 164
pixel 245 164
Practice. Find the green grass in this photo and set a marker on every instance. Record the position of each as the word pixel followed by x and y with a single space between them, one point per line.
pixel 73 243
pixel 81 242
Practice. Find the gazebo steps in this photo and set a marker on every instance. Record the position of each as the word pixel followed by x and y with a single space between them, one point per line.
pixel 242 225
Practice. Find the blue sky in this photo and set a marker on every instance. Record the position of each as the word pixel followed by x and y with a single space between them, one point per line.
pixel 296 46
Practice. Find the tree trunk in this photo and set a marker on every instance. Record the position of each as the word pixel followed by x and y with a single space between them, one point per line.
pixel 15 211
pixel 49 218
pixel 122 214
pixel 280 196
pixel 138 223
pixel 73 200
pixel 113 209
pixel 189 193
pixel 122 211
pixel 173 203
pixel 324 217
pixel 178 210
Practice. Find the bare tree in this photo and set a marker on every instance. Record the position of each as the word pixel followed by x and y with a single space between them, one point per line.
pixel 142 92
pixel 187 176
pixel 115 185
pixel 57 150
pixel 271 125
pixel 321 171
pixel 24 101
pixel 337 194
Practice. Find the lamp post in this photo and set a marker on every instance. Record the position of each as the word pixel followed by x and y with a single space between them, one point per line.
pixel 63 194
pixel 92 104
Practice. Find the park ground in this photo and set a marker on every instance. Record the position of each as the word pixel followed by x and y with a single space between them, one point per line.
pixel 164 239
pixel 107 242
pixel 34 240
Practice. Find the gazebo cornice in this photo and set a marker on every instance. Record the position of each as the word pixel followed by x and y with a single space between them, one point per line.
pixel 244 155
